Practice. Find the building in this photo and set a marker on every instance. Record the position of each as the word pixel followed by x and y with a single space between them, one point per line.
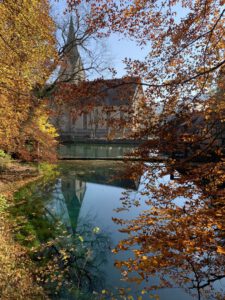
pixel 100 109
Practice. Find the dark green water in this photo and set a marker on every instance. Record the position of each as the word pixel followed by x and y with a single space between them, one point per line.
pixel 95 151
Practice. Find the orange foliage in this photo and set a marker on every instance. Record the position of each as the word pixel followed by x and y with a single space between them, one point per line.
pixel 27 55
pixel 183 74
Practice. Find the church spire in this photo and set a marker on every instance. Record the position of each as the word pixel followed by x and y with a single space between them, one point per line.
pixel 71 32
pixel 72 68
pixel 71 45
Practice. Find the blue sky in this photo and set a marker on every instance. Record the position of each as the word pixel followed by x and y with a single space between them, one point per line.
pixel 116 45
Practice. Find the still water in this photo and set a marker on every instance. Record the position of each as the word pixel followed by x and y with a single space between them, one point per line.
pixel 71 213
pixel 67 220
pixel 95 151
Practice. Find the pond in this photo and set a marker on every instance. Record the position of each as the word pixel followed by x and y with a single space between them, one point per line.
pixel 68 222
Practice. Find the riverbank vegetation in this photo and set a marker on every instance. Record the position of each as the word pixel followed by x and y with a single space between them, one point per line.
pixel 28 55
pixel 16 278
pixel 18 271
pixel 27 60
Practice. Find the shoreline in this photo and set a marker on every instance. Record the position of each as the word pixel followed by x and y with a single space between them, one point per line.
pixel 16 276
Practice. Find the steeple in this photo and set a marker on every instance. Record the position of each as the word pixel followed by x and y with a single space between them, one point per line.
pixel 72 69
pixel 71 46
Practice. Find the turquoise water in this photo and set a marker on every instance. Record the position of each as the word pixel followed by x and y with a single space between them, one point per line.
pixel 66 220
pixel 75 211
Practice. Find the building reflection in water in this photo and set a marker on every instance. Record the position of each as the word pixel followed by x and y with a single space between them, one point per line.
pixel 70 189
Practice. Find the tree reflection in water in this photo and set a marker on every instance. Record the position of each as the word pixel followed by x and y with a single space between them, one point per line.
pixel 181 237
pixel 68 258
pixel 178 238
pixel 72 263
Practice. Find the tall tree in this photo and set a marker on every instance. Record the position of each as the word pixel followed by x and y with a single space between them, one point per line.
pixel 28 54
pixel 186 42
pixel 184 76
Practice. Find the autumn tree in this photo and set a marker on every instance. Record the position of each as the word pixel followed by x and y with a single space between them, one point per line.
pixel 186 56
pixel 183 75
pixel 27 59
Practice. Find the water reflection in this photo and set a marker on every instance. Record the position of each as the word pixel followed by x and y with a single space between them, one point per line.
pixel 67 222
pixel 69 190
pixel 96 151
pixel 180 237
pixel 166 237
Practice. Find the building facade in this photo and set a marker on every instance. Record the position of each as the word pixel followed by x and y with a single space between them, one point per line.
pixel 106 110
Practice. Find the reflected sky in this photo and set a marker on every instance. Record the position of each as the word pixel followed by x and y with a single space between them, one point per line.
pixel 87 195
